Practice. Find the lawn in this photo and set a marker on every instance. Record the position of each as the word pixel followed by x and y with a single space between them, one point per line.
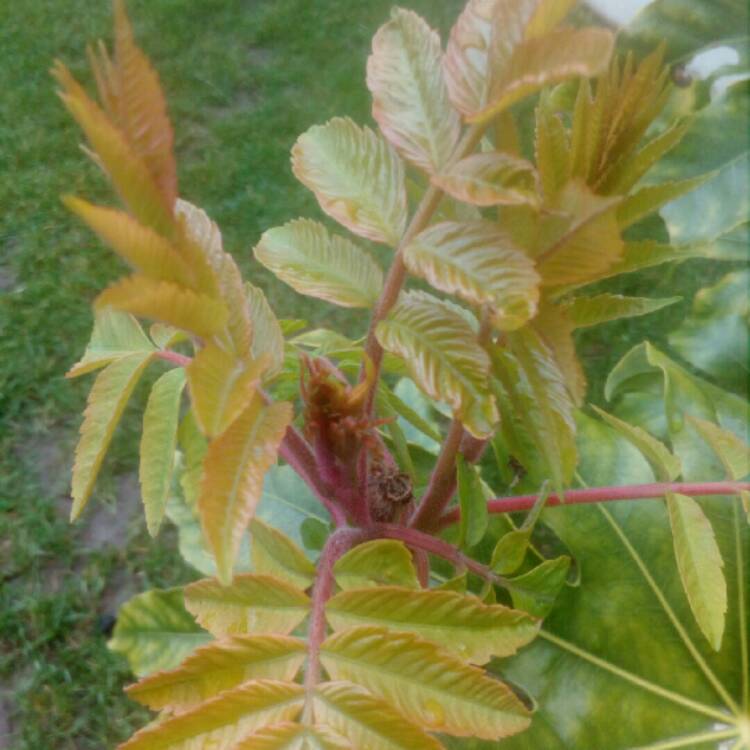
pixel 244 78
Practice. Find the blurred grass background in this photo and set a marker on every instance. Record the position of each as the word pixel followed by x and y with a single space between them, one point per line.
pixel 243 79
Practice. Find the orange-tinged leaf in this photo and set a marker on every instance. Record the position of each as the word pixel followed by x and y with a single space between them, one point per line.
pixel 220 666
pixel 141 247
pixel 125 167
pixel 106 402
pixel 222 722
pixel 356 176
pixel 551 149
pixel 368 721
pixel 115 335
pixel 490 179
pixel 141 108
pixel 583 244
pixel 439 691
pixel 410 98
pixel 221 386
pixel 233 472
pixel 167 303
pixel 478 262
pixel 250 604
pixel 542 61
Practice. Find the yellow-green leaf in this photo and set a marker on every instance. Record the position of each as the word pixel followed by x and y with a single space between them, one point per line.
pixel 381 562
pixel 459 623
pixel 490 179
pixel 473 503
pixel 510 551
pixel 220 723
pixel 233 472
pixel 552 150
pixel 154 631
pixel 646 200
pixel 125 167
pixel 367 721
pixel 293 736
pixel 545 60
pixel 220 666
pixel 535 592
pixel 478 262
pixel 591 311
pixel 106 402
pixel 356 176
pixel 274 553
pixel 666 465
pixel 425 683
pixel 221 386
pixel 700 564
pixel 268 340
pixel 444 358
pixel 319 264
pixel 115 335
pixel 158 443
pixel 166 302
pixel 732 451
pixel 410 98
pixel 250 604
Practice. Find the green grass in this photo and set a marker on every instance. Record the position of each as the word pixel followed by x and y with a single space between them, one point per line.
pixel 243 80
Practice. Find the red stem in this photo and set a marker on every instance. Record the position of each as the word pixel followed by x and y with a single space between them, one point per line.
pixel 174 357
pixel 605 494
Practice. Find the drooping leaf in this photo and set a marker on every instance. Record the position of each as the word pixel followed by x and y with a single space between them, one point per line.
pixel 540 424
pixel 220 666
pixel 145 250
pixel 537 590
pixel 107 400
pixel 127 170
pixel 268 340
pixel 250 604
pixel 166 302
pixel 140 109
pixel 275 554
pixel 356 176
pixel 233 472
pixel 319 264
pixel 443 356
pixel 367 721
pixel 666 465
pixel 490 179
pixel 381 562
pixel 115 335
pixel 478 262
pixel 221 386
pixel 410 98
pixel 602 308
pixel 439 691
pixel 158 443
pixel 223 721
pixel 733 451
pixel 473 503
pixel 700 565
pixel 154 631
pixel 458 623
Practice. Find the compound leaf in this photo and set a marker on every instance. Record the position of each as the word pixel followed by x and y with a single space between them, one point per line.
pixel 381 562
pixel 291 736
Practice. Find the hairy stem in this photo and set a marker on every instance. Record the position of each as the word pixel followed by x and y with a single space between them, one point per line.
pixel 604 494
pixel 338 543
pixel 397 273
